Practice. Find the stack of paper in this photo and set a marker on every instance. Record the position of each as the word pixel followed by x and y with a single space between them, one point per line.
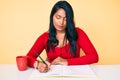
pixel 62 71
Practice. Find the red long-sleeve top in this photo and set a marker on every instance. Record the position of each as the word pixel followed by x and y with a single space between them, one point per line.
pixel 83 43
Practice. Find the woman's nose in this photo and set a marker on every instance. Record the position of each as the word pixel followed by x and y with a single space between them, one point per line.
pixel 61 21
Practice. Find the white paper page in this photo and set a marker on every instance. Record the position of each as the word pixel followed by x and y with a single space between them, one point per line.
pixel 81 71
pixel 55 70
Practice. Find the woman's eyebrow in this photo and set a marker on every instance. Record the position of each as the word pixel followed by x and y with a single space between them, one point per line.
pixel 60 16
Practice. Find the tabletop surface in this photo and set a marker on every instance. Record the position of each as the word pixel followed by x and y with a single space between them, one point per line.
pixel 103 72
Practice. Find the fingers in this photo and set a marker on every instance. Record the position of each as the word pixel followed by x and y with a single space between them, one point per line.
pixel 48 64
pixel 56 61
pixel 43 67
pixel 59 60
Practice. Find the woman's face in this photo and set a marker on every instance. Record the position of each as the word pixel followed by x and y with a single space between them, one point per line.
pixel 59 20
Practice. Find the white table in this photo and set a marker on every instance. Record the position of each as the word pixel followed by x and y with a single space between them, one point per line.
pixel 104 72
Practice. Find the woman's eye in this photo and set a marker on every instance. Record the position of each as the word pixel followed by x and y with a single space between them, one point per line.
pixel 65 19
pixel 58 17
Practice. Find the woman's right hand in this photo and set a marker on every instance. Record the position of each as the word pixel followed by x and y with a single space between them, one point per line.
pixel 43 67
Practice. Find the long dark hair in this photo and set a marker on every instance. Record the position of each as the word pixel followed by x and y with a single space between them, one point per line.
pixel 71 34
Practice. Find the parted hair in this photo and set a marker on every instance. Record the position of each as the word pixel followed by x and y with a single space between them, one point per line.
pixel 70 31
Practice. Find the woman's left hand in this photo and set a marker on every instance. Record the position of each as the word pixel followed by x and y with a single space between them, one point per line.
pixel 59 60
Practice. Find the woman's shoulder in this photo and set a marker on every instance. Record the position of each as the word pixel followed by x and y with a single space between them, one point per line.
pixel 44 35
pixel 79 30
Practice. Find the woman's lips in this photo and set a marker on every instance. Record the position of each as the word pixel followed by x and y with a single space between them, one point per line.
pixel 60 27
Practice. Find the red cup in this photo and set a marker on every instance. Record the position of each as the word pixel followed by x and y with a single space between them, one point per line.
pixel 22 63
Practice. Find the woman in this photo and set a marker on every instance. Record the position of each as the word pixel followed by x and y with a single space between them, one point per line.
pixel 63 41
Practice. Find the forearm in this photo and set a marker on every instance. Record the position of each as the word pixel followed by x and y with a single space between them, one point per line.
pixel 89 59
pixel 31 61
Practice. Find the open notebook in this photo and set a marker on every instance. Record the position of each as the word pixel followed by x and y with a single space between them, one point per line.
pixel 62 71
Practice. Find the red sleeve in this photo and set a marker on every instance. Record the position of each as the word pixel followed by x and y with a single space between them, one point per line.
pixel 91 55
pixel 38 46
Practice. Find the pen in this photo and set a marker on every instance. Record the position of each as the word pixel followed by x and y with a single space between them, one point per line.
pixel 40 57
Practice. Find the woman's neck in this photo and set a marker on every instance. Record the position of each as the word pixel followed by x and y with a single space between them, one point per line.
pixel 60 34
pixel 61 38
